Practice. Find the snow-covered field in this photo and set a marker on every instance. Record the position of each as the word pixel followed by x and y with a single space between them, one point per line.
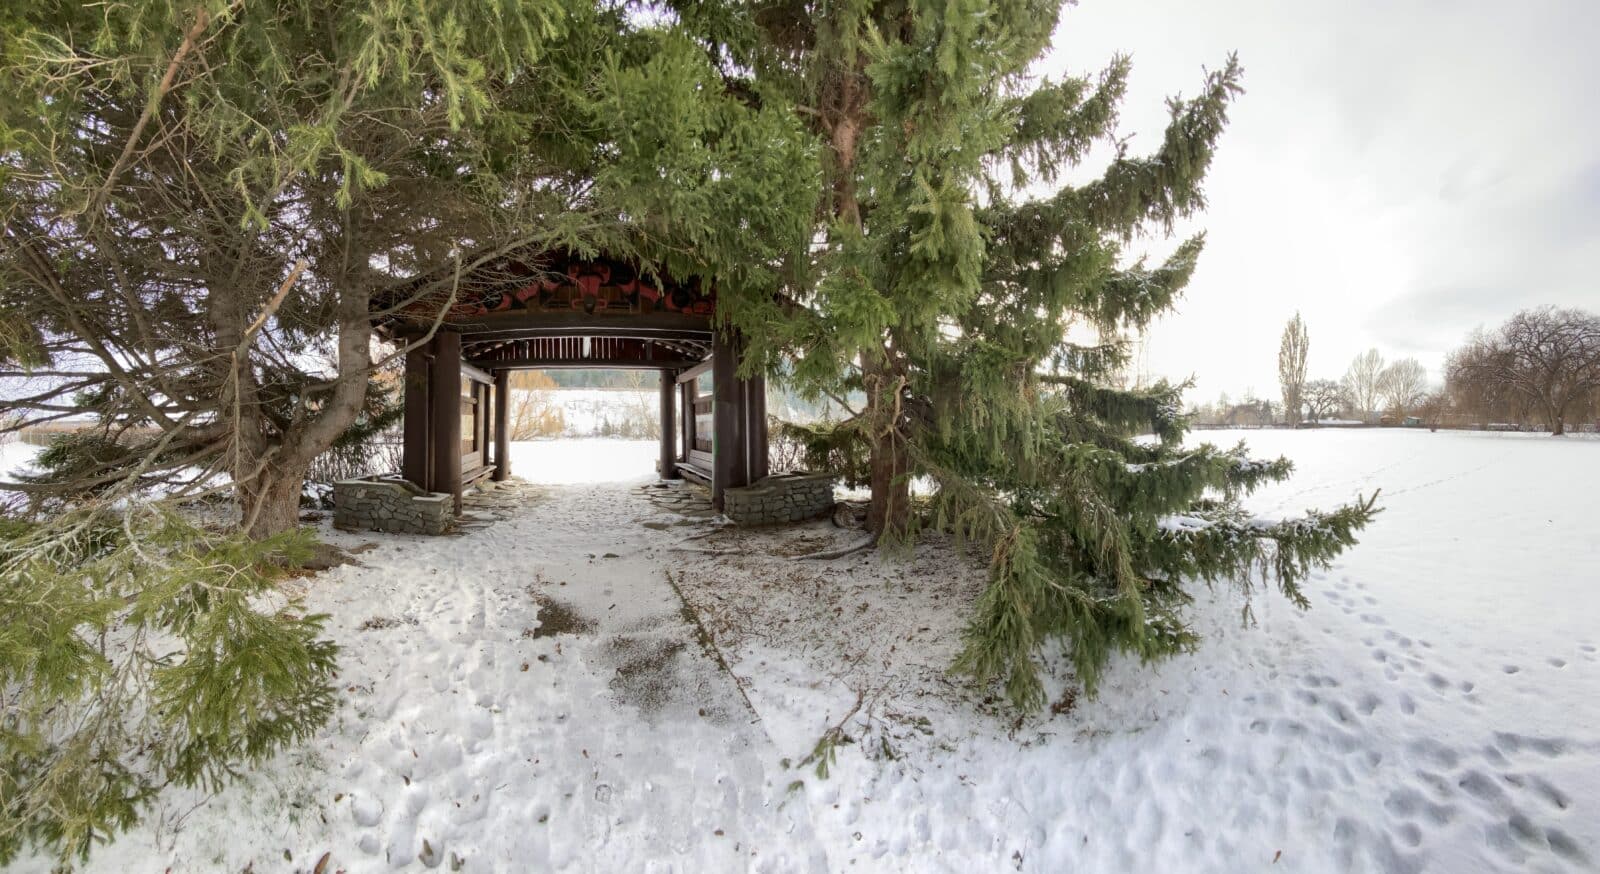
pixel 15 457
pixel 594 412
pixel 533 696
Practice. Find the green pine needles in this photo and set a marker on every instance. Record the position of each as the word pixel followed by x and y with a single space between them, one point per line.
pixel 1093 550
pixel 970 275
pixel 137 651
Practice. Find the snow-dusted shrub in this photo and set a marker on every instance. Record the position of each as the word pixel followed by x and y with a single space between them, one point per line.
pixel 136 652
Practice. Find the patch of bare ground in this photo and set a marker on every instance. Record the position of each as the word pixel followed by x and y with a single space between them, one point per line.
pixel 646 676
pixel 556 617
pixel 803 543
pixel 380 623
pixel 885 625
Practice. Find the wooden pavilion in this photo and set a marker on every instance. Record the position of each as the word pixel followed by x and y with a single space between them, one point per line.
pixel 559 311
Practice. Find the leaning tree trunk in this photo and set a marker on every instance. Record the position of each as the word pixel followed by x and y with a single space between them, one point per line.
pixel 270 475
pixel 270 502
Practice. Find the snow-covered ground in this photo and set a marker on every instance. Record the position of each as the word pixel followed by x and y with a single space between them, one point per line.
pixel 16 457
pixel 533 696
pixel 1435 711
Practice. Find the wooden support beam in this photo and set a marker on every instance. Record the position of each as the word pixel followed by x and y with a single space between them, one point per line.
pixel 727 420
pixel 668 468
pixel 445 391
pixel 492 365
pixel 415 464
pixel 686 418
pixel 528 323
pixel 756 442
pixel 692 373
pixel 502 424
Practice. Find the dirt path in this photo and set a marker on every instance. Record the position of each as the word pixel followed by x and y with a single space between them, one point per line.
pixel 528 696
pixel 676 766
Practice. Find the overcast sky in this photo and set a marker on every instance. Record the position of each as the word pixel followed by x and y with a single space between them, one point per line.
pixel 1399 172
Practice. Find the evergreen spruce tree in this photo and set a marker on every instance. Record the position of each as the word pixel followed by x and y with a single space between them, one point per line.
pixel 948 289
pixel 199 202
pixel 135 654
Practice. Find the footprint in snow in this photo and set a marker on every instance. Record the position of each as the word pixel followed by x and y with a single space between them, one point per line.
pixel 1481 786
pixel 1548 747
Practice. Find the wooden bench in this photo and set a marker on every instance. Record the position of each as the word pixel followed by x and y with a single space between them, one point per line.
pixel 694 472
pixel 468 477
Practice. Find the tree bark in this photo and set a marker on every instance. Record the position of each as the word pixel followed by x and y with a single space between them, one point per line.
pixel 889 513
pixel 271 501
pixel 269 493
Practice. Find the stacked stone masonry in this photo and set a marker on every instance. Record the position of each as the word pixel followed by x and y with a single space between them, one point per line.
pixel 390 504
pixel 780 499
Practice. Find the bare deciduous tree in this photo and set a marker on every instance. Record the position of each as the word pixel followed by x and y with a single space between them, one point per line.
pixel 1402 384
pixel 1361 381
pixel 1324 398
pixel 1433 407
pixel 1472 390
pixel 1546 358
pixel 1292 351
pixel 533 411
pixel 642 406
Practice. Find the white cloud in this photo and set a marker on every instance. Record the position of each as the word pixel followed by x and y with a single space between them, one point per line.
pixel 1398 172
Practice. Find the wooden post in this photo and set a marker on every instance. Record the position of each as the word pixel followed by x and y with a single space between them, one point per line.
pixel 502 424
pixel 414 462
pixel 669 457
pixel 727 420
pixel 756 414
pixel 445 388
pixel 686 416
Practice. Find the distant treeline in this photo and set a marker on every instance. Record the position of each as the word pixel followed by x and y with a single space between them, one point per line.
pixel 595 378
pixel 780 400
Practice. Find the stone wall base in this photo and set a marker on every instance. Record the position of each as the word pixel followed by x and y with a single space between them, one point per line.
pixel 780 499
pixel 390 504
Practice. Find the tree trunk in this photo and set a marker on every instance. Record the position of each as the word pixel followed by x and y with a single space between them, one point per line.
pixel 270 500
pixel 889 513
pixel 270 504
